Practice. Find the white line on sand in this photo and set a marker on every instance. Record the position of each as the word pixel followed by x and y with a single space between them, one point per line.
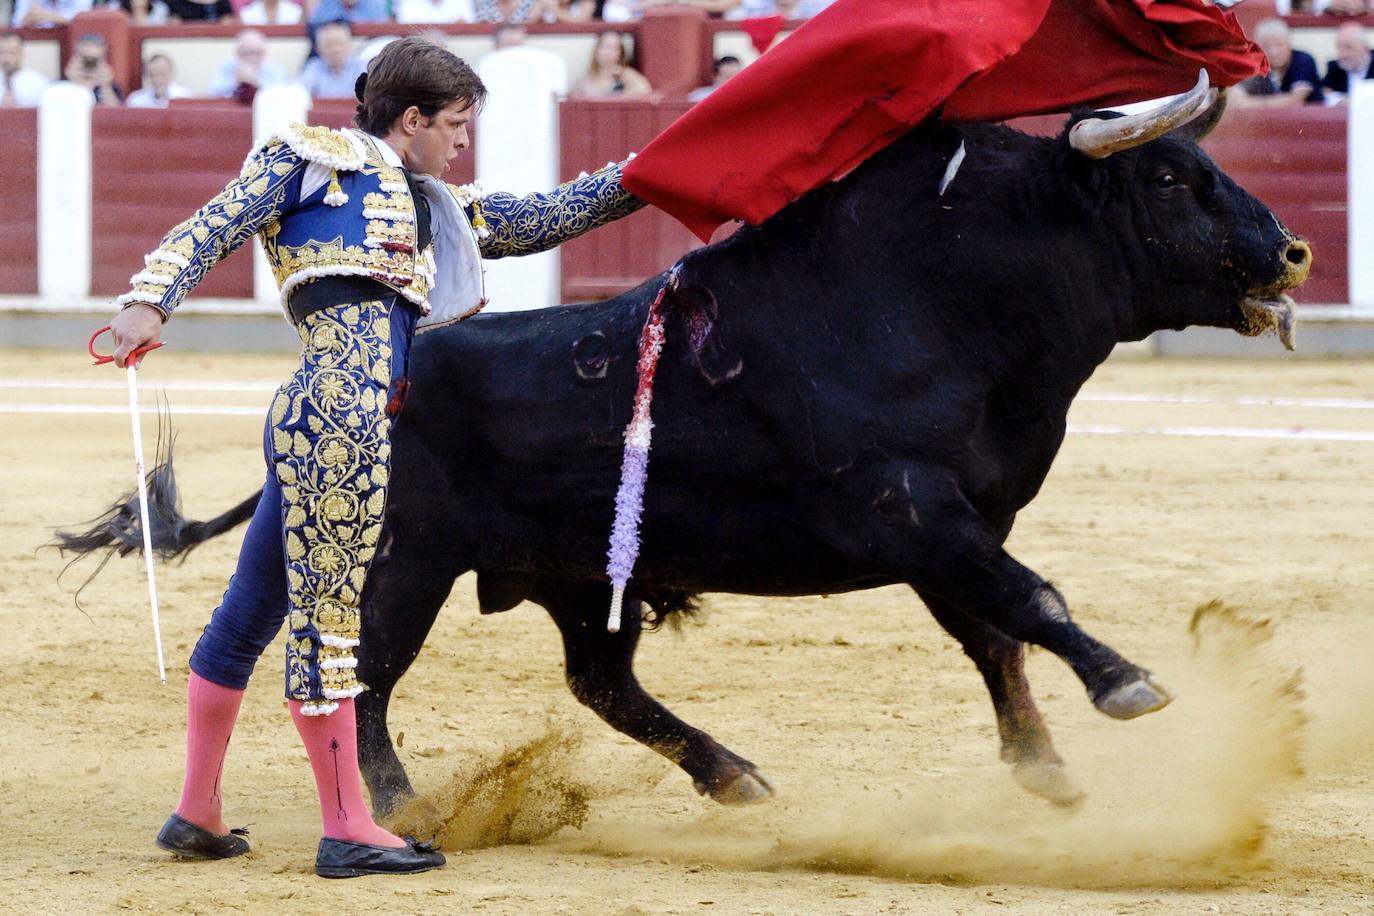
pixel 1209 432
pixel 1243 400
pixel 222 410
pixel 1225 432
pixel 1108 397
pixel 75 385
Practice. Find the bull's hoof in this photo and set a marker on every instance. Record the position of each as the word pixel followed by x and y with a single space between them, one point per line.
pixel 1050 781
pixel 1135 699
pixel 747 788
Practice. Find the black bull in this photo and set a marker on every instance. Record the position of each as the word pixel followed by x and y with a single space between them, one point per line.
pixel 863 391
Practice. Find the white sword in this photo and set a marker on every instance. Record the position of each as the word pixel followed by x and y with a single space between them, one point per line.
pixel 131 369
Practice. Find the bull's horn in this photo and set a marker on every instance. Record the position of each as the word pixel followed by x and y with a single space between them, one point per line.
pixel 1098 138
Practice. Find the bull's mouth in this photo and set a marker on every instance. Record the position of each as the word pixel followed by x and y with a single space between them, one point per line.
pixel 1265 313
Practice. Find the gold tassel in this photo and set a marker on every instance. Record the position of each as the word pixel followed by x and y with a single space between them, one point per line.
pixel 336 197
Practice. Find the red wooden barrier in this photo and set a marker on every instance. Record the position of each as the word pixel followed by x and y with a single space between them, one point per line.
pixel 150 170
pixel 19 200
pixel 1294 160
pixel 622 255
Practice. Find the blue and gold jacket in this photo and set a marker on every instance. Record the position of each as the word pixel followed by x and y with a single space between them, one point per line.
pixel 332 203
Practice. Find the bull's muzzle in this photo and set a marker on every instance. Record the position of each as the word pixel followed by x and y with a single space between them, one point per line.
pixel 1270 308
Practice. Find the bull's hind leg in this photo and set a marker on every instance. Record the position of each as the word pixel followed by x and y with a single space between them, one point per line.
pixel 402 600
pixel 1026 743
pixel 600 672
pixel 927 533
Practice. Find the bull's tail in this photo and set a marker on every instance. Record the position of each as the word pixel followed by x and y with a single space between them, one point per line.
pixel 119 530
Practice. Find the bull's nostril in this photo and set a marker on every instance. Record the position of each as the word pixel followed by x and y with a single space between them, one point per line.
pixel 1298 253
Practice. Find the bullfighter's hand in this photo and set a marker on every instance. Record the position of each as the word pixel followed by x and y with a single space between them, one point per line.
pixel 134 327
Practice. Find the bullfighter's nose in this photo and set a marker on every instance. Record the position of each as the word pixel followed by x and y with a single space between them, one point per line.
pixel 1298 261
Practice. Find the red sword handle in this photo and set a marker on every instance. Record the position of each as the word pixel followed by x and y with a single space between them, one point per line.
pixel 134 358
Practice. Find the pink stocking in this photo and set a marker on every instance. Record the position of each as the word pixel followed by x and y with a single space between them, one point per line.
pixel 210 714
pixel 332 743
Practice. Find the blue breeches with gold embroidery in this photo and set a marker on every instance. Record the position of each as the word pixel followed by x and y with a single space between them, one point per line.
pixel 308 547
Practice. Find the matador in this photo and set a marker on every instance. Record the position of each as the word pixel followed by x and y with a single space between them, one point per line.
pixel 367 243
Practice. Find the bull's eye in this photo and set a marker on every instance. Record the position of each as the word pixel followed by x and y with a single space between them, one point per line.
pixel 1166 181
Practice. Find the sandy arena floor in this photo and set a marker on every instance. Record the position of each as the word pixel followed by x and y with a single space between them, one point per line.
pixel 1251 794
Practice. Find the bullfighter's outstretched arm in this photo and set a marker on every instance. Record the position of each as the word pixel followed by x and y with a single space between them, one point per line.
pixel 509 224
pixel 268 185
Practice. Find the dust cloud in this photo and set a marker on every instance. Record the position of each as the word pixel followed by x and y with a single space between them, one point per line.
pixel 1178 799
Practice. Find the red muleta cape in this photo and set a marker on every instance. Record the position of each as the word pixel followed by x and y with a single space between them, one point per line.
pixel 864 72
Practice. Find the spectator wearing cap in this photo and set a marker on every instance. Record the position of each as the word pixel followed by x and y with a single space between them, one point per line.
pixel 1353 59
pixel 434 11
pixel 159 85
pixel 724 68
pixel 241 76
pixel 37 14
pixel 20 87
pixel 335 71
pixel 271 12
pixel 89 67
pixel 1293 77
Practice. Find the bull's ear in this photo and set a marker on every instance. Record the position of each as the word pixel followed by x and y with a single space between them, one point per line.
pixel 1088 180
pixel 1197 129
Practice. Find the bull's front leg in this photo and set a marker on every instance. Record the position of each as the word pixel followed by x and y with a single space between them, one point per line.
pixel 1026 743
pixel 600 673
pixel 921 529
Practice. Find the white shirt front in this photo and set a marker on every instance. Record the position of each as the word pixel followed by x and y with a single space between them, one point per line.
pixel 255 13
pixel 27 87
pixel 430 11
pixel 146 98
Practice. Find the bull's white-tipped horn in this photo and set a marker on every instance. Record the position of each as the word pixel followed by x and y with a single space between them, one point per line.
pixel 1098 138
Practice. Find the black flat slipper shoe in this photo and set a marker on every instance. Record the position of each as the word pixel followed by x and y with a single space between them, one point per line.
pixel 183 838
pixel 342 859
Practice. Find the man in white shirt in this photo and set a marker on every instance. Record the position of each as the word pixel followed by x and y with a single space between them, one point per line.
pixel 434 11
pixel 158 86
pixel 247 71
pixel 19 86
pixel 270 12
pixel 37 14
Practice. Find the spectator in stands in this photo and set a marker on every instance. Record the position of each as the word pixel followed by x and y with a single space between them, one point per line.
pixel 508 35
pixel 715 8
pixel 146 12
pixel 33 14
pixel 241 76
pixel 1353 59
pixel 351 11
pixel 724 68
pixel 576 10
pixel 517 10
pixel 271 12
pixel 434 11
pixel 199 10
pixel 788 9
pixel 610 73
pixel 1342 7
pixel 20 87
pixel 159 86
pixel 333 74
pixel 90 67
pixel 1293 78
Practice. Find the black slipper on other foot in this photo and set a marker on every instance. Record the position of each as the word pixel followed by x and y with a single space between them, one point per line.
pixel 342 859
pixel 183 838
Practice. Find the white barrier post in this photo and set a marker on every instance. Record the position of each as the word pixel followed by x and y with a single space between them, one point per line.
pixel 517 151
pixel 274 108
pixel 1360 174
pixel 64 191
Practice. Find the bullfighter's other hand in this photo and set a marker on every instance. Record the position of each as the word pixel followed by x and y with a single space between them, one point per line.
pixel 134 327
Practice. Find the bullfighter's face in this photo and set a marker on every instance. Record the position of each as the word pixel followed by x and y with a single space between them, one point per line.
pixel 436 141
